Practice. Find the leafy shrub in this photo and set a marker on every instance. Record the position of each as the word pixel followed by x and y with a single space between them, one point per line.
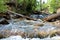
pixel 3 7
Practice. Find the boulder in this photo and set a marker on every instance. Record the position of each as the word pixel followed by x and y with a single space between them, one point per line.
pixel 56 23
pixel 41 24
pixel 30 35
pixel 54 33
pixel 8 33
pixel 5 15
pixel 42 34
pixel 3 21
pixel 1 36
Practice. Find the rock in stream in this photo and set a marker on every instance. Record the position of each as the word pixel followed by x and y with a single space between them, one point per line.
pixel 3 21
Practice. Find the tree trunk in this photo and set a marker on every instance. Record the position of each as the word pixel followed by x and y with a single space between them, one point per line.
pixel 11 12
pixel 53 16
pixel 40 5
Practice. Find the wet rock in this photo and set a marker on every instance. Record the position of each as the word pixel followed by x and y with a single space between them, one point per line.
pixel 3 21
pixel 41 24
pixel 1 36
pixel 54 33
pixel 8 17
pixel 58 10
pixel 42 34
pixel 5 33
pixel 22 34
pixel 5 15
pixel 30 35
pixel 8 33
pixel 57 23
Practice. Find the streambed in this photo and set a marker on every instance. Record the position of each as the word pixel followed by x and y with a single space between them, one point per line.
pixel 23 29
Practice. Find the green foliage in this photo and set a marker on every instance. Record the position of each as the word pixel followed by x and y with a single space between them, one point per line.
pixel 27 5
pixel 45 5
pixel 53 5
pixel 3 7
pixel 32 5
pixel 37 5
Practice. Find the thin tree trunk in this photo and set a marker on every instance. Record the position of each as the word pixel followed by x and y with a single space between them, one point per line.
pixel 11 12
pixel 40 5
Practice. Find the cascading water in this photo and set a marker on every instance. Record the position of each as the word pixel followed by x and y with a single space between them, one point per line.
pixel 27 29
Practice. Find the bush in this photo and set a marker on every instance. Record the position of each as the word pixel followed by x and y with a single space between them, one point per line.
pixel 3 7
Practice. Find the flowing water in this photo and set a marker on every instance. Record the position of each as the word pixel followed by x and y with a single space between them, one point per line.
pixel 27 26
pixel 20 38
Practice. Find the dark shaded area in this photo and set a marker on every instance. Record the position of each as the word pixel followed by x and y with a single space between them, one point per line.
pixel 4 21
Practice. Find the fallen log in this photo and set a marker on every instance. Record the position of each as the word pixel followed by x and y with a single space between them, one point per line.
pixel 11 12
pixel 53 16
